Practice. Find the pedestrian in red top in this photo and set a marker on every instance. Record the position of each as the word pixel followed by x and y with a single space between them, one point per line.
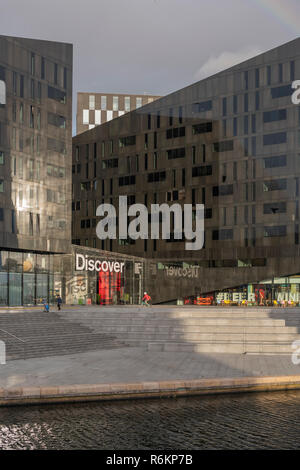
pixel 146 299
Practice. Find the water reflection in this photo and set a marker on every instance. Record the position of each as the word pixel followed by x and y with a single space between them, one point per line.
pixel 248 421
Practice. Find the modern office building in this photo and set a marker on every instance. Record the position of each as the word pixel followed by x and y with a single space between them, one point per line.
pixel 35 166
pixel 94 109
pixel 230 142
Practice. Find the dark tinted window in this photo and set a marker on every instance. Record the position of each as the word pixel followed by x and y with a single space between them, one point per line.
pixel 275 231
pixel 273 162
pixel 56 94
pixel 176 153
pixel 224 234
pixel 225 146
pixel 202 170
pixel 201 107
pixel 202 128
pixel 281 91
pixel 275 208
pixel 224 190
pixel 276 115
pixel 275 185
pixel 277 138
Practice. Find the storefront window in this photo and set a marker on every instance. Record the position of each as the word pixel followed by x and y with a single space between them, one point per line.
pixel 41 287
pixel 28 289
pixel 3 288
pixel 15 262
pixel 29 262
pixel 42 264
pixel 3 260
pixel 15 289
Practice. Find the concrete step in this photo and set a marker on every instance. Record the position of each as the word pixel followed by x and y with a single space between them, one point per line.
pixel 216 336
pixel 158 329
pixel 115 322
pixel 217 347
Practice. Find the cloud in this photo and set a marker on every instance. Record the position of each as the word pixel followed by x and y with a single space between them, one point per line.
pixel 225 60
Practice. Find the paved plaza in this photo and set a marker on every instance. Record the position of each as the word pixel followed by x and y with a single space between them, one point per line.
pixel 105 359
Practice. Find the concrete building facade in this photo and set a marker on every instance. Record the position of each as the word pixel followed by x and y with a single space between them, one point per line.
pixel 35 165
pixel 94 109
pixel 230 142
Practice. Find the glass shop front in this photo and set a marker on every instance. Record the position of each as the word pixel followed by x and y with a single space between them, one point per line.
pixel 278 291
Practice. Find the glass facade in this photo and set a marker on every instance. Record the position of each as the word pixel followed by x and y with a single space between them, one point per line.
pixel 278 291
pixel 26 278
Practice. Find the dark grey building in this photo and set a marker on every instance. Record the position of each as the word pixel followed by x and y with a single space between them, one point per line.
pixel 231 142
pixel 35 165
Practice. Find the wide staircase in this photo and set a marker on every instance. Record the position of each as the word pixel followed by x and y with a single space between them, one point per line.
pixel 28 334
pixel 251 330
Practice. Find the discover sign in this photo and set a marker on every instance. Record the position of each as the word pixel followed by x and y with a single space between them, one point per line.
pixel 85 263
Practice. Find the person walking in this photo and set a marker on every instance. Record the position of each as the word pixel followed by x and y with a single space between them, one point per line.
pixel 59 302
pixel 46 305
pixel 146 299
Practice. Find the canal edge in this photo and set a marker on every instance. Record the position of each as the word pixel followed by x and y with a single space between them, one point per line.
pixel 161 389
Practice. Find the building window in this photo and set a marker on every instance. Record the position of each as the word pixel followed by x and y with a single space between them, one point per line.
pixel 127 103
pixel 138 102
pixel 225 190
pixel 103 102
pixel 280 73
pixel 235 104
pixel 256 78
pixel 158 120
pixel 275 185
pixel 202 171
pixel 55 74
pixel 14 77
pixel 246 125
pixel 246 80
pixel 176 153
pixel 21 86
pixel 42 68
pixel 57 95
pixel 91 101
pixel 180 114
pixel 224 106
pixel 223 234
pixel 276 115
pixel 275 208
pixel 171 117
pixel 193 155
pixel 281 91
pixel 202 128
pixel 235 127
pixel 292 70
pixel 225 146
pixel 246 102
pixel 269 75
pixel 32 64
pixel 273 162
pixel 65 78
pixel 115 103
pixel 257 104
pixel 1 186
pixel 274 139
pixel 202 107
pixel 275 231
pixel 32 94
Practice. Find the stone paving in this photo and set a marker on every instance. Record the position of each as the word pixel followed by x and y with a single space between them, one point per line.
pixel 135 364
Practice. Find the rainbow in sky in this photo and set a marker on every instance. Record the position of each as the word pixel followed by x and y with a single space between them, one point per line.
pixel 284 11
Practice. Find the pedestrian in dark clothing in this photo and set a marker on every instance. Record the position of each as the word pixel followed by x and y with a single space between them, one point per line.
pixel 59 302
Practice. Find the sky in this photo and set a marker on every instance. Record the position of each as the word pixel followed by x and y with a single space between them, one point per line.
pixel 152 46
